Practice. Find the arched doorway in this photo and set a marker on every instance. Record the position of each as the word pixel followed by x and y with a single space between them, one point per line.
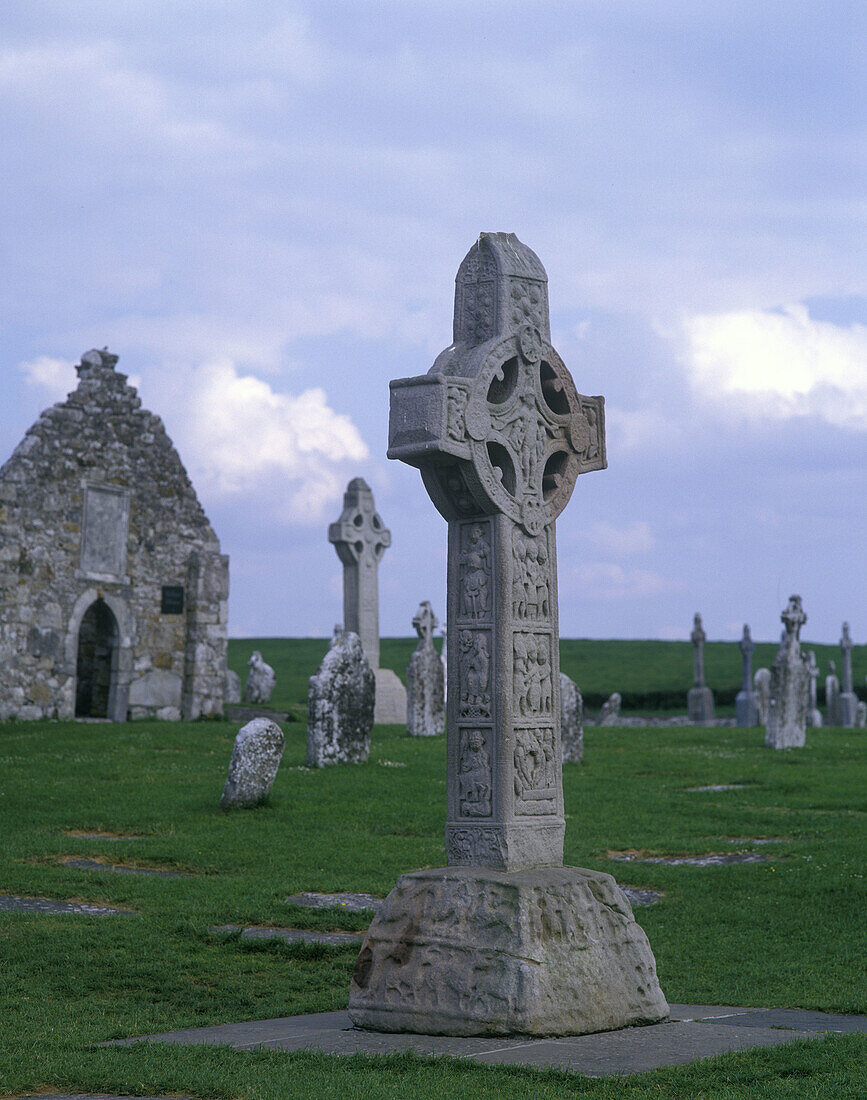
pixel 96 667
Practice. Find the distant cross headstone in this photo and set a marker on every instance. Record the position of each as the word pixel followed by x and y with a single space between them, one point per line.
pixel 790 684
pixel 425 697
pixel 814 716
pixel 699 700
pixel 361 538
pixel 848 698
pixel 500 435
pixel 746 709
pixel 832 695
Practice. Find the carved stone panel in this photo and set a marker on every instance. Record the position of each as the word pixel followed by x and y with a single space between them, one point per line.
pixel 474 773
pixel 475 572
pixel 106 520
pixel 531 583
pixel 533 693
pixel 474 847
pixel 474 665
pixel 536 766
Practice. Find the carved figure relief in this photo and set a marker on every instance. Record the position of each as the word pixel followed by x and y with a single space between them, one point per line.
pixel 535 775
pixel 456 404
pixel 475 571
pixel 475 674
pixel 474 774
pixel 530 580
pixel 474 846
pixel 532 688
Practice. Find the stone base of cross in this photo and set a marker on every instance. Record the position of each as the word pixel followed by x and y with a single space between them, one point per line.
pixel 504 939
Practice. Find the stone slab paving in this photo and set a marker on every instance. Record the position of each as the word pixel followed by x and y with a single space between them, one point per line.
pixel 291 935
pixel 694 1031
pixel 12 903
pixel 693 861
pixel 82 864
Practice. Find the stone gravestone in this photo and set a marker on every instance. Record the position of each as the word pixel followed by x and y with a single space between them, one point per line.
pixel 762 685
pixel 790 685
pixel 610 713
pixel 746 710
pixel 505 938
pixel 861 715
pixel 260 680
pixel 361 538
pixel 572 721
pixel 848 698
pixel 253 767
pixel 340 704
pixel 832 695
pixel 814 716
pixel 699 700
pixel 233 687
pixel 425 695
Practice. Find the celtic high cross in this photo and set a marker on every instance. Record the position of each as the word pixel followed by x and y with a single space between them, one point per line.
pixel 500 435
pixel 360 539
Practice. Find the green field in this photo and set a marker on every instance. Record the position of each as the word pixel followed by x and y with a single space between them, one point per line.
pixel 788 932
pixel 652 676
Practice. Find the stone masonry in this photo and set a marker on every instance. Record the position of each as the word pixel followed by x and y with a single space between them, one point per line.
pixel 113 590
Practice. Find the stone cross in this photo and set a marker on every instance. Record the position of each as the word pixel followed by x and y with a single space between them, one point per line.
pixel 814 717
pixel 360 539
pixel 848 698
pixel 425 623
pixel 746 707
pixel 746 646
pixel 500 435
pixel 698 638
pixel 790 684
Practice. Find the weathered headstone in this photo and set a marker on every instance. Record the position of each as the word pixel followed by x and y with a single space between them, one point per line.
pixel 340 704
pixel 832 695
pixel 260 680
pixel 848 698
pixel 814 715
pixel 425 697
pixel 361 538
pixel 253 767
pixel 233 687
pixel 572 721
pixel 861 715
pixel 488 944
pixel 746 710
pixel 610 713
pixel 790 685
pixel 762 685
pixel 699 699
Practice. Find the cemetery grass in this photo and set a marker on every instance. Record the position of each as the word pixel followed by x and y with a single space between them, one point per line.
pixel 786 932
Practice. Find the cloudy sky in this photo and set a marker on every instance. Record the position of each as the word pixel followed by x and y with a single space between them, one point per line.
pixel 261 207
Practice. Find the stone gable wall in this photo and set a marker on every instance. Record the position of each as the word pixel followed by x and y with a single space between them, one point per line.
pixel 90 469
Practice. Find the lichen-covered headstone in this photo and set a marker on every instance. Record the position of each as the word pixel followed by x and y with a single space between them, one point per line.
pixel 790 685
pixel 255 760
pixel 832 695
pixel 699 699
pixel 610 713
pixel 745 702
pixel 814 715
pixel 572 721
pixel 233 687
pixel 340 704
pixel 762 685
pixel 425 694
pixel 260 680
pixel 505 938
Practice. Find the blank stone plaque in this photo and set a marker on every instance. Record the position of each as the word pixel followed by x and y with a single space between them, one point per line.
pixel 106 520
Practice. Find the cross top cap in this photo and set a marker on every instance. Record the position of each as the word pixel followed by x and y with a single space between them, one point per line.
pixel 501 287
pixel 359 531
pixel 846 640
pixel 793 616
pixel 424 621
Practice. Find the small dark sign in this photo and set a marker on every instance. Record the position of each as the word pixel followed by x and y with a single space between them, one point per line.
pixel 173 599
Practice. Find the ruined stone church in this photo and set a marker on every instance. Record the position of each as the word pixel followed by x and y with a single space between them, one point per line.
pixel 113 590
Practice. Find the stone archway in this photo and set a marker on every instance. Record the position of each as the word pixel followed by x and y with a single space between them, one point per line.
pixel 96 662
pixel 121 661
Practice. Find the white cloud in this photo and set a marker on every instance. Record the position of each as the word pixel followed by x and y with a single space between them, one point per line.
pixel 779 364
pixel 56 377
pixel 633 538
pixel 607 580
pixel 241 436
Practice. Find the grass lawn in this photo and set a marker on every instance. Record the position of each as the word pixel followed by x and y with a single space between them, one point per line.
pixel 788 932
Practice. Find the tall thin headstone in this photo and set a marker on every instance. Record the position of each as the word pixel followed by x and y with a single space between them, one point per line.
pixel 848 698
pixel 425 696
pixel 487 945
pixel 790 684
pixel 699 700
pixel 762 686
pixel 832 695
pixel 361 538
pixel 746 710
pixel 814 715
